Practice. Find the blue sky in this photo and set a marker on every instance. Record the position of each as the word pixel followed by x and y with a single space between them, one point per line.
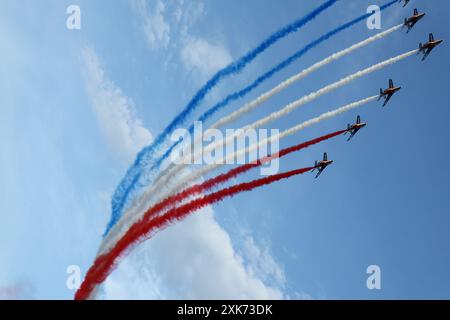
pixel 77 105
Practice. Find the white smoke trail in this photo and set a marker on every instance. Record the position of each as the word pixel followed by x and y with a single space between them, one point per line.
pixel 285 84
pixel 169 173
pixel 141 201
pixel 250 106
pixel 173 170
pixel 185 181
pixel 181 184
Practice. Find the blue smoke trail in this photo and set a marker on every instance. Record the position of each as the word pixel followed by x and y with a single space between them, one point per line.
pixel 146 155
pixel 240 94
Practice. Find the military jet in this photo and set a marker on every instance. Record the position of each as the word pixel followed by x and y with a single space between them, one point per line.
pixel 354 128
pixel 321 165
pixel 388 93
pixel 411 21
pixel 429 46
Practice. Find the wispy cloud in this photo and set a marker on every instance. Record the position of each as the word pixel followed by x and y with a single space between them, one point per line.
pixel 115 111
pixel 204 57
pixel 261 262
pixel 165 23
pixel 186 14
pixel 195 260
pixel 154 24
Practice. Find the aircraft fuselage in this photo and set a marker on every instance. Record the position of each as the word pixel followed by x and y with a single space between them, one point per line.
pixel 390 91
pixel 415 18
pixel 431 45
pixel 324 163
pixel 357 126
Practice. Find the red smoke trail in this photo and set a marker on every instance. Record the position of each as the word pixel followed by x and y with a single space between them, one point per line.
pixel 143 229
pixel 210 183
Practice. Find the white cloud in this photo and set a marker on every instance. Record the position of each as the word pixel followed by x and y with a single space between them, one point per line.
pixel 194 259
pixel 115 112
pixel 200 55
pixel 154 25
pixel 186 14
pixel 170 23
pixel 261 262
pixel 166 21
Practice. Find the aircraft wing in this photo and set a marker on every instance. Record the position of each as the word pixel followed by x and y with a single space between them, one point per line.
pixel 411 25
pixel 387 99
pixel 352 134
pixel 319 173
pixel 426 53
